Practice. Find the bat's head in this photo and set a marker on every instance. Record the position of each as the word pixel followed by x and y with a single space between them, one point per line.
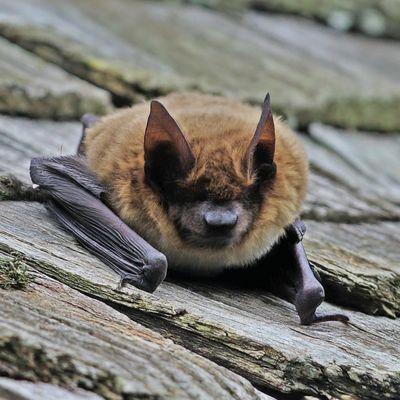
pixel 212 188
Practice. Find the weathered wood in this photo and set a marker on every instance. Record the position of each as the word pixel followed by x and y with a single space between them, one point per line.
pixel 30 86
pixel 356 175
pixel 21 139
pixel 366 163
pixel 51 333
pixel 358 264
pixel 249 331
pixel 376 18
pixel 11 389
pixel 157 47
pixel 329 200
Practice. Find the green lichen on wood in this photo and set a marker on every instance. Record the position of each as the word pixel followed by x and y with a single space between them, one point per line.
pixel 14 274
pixel 20 359
pixel 130 84
pixel 11 188
pixel 30 86
pixel 366 114
pixel 130 80
pixel 376 18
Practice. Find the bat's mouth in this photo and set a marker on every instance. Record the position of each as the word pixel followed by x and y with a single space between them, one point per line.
pixel 213 241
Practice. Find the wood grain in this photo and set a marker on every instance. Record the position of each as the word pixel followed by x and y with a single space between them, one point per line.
pixel 32 87
pixel 72 341
pixel 247 330
pixel 157 47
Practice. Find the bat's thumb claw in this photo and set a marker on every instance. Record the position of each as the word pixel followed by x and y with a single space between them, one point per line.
pixel 155 272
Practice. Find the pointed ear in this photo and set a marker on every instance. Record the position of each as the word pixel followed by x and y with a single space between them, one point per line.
pixel 166 150
pixel 262 146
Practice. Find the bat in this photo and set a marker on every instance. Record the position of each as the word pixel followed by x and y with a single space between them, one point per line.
pixel 213 187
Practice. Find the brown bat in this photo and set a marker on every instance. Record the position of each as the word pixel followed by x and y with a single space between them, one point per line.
pixel 220 190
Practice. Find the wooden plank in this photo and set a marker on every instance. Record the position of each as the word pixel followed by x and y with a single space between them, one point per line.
pixel 358 264
pixel 11 389
pixel 35 88
pixel 21 139
pixel 329 200
pixel 376 18
pixel 51 333
pixel 366 163
pixel 158 47
pixel 356 177
pixel 249 331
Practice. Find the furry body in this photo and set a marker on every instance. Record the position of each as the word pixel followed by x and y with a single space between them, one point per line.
pixel 219 131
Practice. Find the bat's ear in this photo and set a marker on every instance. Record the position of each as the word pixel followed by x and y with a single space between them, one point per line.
pixel 261 149
pixel 166 150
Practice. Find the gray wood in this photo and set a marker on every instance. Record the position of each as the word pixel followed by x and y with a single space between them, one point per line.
pixel 21 139
pixel 33 87
pixel 375 18
pixel 358 264
pixel 157 47
pixel 73 341
pixel 356 176
pixel 366 163
pixel 251 332
pixel 11 389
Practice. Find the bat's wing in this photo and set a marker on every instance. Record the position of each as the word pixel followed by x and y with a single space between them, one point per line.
pixel 309 292
pixel 76 199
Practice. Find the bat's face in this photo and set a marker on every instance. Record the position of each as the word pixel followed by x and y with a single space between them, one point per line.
pixel 211 224
pixel 213 201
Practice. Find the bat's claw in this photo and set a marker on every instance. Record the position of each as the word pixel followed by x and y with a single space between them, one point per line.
pixel 126 278
pixel 150 275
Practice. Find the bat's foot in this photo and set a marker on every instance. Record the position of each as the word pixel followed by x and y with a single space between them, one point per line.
pixel 308 300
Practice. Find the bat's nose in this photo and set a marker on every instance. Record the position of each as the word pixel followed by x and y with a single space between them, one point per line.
pixel 220 219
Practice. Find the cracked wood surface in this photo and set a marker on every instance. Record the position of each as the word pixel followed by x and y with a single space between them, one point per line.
pixel 375 18
pixel 247 330
pixel 51 333
pixel 312 73
pixel 12 389
pixel 356 175
pixel 358 264
pixel 21 139
pixel 33 87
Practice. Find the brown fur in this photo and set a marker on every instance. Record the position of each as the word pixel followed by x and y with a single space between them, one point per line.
pixel 219 131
